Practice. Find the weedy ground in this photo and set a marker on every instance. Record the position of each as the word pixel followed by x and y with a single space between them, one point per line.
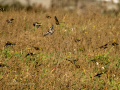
pixel 81 38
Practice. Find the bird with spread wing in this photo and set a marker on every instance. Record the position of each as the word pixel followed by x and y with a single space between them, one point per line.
pixel 50 31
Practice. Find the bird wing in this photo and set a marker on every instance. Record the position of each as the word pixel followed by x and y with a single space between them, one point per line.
pixel 47 33
pixel 57 22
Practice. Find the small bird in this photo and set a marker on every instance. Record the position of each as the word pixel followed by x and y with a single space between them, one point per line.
pixel 114 44
pixel 99 74
pixel 2 9
pixel 10 20
pixel 48 16
pixel 104 46
pixel 56 21
pixel 37 24
pixel 9 43
pixel 51 31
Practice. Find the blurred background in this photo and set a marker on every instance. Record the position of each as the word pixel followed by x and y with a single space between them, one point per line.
pixel 79 6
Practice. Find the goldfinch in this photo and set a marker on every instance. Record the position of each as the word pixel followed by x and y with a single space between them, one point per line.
pixel 10 20
pixel 48 16
pixel 37 24
pixel 9 43
pixel 56 21
pixel 50 31
pixel 114 44
pixel 104 46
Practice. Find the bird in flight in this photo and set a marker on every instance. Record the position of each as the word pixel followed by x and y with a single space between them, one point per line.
pixel 50 31
pixel 56 21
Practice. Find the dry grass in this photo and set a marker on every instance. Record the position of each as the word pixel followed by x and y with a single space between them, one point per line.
pixel 48 67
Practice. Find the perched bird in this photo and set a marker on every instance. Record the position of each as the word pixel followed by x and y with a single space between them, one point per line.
pixel 114 43
pixel 9 43
pixel 99 74
pixel 56 21
pixel 37 24
pixel 51 31
pixel 104 46
pixel 10 20
pixel 48 16
pixel 2 9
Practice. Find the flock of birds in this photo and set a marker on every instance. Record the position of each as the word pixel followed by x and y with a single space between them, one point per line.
pixel 51 31
pixel 36 24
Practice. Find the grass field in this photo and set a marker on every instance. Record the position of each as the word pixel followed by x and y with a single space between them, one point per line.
pixel 82 54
